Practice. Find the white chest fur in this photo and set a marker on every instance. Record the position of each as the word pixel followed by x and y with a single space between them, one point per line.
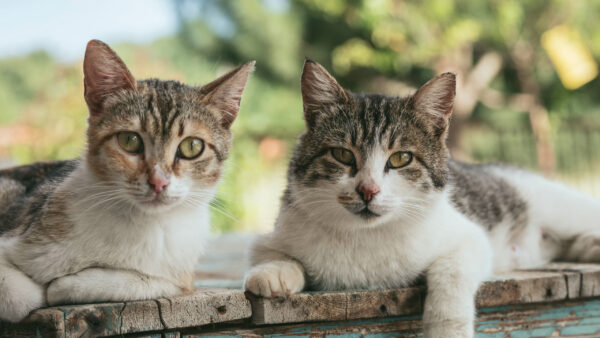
pixel 390 255
pixel 165 244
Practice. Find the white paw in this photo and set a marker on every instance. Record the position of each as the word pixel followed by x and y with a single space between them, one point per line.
pixel 61 290
pixel 586 248
pixel 275 279
pixel 19 295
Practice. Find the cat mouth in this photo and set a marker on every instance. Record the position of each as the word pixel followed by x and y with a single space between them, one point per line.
pixel 157 200
pixel 367 214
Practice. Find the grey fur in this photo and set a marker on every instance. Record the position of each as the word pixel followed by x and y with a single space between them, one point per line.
pixel 486 198
pixel 24 191
pixel 361 121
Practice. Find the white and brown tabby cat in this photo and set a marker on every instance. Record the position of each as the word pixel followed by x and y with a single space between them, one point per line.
pixel 128 219
pixel 374 201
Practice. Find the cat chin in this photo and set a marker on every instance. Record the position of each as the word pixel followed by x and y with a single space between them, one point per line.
pixel 353 221
pixel 157 206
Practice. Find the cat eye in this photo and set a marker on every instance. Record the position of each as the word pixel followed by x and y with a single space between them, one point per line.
pixel 190 148
pixel 344 156
pixel 130 142
pixel 399 160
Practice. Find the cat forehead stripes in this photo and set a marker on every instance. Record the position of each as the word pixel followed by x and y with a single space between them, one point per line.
pixel 153 135
pixel 370 124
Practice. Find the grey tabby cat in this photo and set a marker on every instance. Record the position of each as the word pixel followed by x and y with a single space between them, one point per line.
pixel 126 221
pixel 374 201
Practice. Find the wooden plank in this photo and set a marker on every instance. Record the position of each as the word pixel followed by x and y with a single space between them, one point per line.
pixel 522 287
pixel 515 288
pixel 385 303
pixel 506 294
pixel 139 317
pixel 40 323
pixel 203 307
pixel 300 307
pixel 585 278
pixel 197 309
pixel 564 319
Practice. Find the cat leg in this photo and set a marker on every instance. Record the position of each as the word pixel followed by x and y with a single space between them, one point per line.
pixel 583 248
pixel 275 279
pixel 275 275
pixel 452 282
pixel 19 294
pixel 102 285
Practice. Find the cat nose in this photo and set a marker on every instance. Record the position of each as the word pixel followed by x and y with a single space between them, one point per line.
pixel 367 191
pixel 158 182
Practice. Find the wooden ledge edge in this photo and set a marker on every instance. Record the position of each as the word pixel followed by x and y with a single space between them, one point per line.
pixel 557 282
pixel 203 307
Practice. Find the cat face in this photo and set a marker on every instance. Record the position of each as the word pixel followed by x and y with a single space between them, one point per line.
pixel 155 144
pixel 369 159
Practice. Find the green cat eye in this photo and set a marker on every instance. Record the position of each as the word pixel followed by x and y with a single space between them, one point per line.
pixel 399 160
pixel 130 142
pixel 344 156
pixel 190 148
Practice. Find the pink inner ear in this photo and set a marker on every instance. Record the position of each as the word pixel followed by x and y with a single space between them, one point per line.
pixel 319 87
pixel 437 96
pixel 104 74
pixel 225 93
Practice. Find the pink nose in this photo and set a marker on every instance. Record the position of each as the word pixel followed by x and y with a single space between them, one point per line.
pixel 158 182
pixel 367 191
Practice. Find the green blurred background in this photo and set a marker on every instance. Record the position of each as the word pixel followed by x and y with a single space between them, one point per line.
pixel 528 92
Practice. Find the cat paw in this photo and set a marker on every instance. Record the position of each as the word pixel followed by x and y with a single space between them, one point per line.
pixel 275 279
pixel 61 290
pixel 585 248
pixel 19 295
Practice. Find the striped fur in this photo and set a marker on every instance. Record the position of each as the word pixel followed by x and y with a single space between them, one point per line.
pixel 366 224
pixel 96 228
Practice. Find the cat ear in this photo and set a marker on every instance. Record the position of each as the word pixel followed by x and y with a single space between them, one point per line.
pixel 319 88
pixel 435 100
pixel 225 93
pixel 104 74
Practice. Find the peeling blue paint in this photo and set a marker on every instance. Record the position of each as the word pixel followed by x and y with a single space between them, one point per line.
pixel 580 330
pixel 541 332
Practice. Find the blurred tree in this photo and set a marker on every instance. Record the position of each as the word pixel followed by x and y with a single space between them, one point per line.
pixel 494 43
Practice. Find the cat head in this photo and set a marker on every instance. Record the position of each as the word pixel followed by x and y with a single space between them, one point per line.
pixel 365 160
pixel 155 143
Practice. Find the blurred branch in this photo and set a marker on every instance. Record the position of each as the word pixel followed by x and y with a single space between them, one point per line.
pixel 523 55
pixel 476 82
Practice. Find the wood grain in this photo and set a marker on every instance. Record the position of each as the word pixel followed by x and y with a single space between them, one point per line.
pixel 354 312
pixel 91 320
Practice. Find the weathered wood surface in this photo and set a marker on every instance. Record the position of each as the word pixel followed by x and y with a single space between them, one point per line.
pixel 580 318
pixel 560 282
pixel 200 308
pixel 556 283
pixel 520 302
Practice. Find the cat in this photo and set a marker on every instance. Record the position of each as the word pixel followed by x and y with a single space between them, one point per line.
pixel 127 220
pixel 374 201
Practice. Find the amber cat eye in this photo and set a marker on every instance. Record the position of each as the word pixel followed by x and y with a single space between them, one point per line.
pixel 344 156
pixel 130 142
pixel 399 159
pixel 190 148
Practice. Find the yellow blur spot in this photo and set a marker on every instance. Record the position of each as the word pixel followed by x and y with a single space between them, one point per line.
pixel 571 58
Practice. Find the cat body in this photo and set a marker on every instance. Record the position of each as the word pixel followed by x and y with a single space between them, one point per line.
pixel 374 201
pixel 163 245
pixel 127 221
